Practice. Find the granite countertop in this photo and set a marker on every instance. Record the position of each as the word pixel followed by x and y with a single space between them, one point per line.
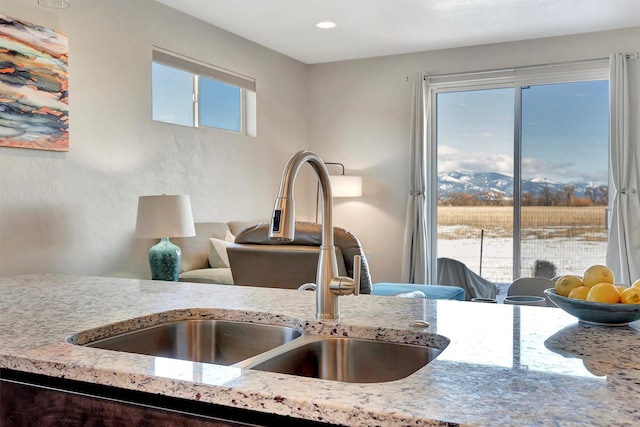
pixel 504 365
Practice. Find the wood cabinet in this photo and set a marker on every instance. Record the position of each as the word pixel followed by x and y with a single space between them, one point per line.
pixel 33 400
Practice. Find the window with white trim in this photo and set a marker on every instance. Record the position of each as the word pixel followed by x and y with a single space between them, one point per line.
pixel 191 93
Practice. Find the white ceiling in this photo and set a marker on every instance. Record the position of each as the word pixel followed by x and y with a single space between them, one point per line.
pixel 368 28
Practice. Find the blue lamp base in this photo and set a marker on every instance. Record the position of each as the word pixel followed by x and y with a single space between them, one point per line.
pixel 164 260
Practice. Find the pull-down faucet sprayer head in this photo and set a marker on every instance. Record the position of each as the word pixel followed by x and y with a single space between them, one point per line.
pixel 283 220
pixel 284 212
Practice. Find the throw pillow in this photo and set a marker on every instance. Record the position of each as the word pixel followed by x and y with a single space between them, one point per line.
pixel 218 257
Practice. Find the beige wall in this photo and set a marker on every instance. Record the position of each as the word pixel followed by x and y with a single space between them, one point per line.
pixel 75 212
pixel 360 116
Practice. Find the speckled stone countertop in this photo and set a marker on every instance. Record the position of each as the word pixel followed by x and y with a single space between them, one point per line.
pixel 504 365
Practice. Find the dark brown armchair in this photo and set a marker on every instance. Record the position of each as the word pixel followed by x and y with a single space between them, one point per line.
pixel 256 260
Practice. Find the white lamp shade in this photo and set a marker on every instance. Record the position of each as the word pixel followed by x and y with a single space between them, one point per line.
pixel 346 185
pixel 164 216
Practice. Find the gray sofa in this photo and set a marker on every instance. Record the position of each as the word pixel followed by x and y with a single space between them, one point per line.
pixel 200 260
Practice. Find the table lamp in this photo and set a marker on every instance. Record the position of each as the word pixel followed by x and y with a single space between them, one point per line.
pixel 164 217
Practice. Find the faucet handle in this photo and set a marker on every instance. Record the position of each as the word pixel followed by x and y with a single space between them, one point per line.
pixel 346 285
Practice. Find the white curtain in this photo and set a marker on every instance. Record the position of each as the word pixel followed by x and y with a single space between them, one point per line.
pixel 623 250
pixel 417 253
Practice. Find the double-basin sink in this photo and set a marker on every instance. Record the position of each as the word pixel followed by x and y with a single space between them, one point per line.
pixel 273 348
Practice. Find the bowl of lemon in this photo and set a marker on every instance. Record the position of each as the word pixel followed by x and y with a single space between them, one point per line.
pixel 595 297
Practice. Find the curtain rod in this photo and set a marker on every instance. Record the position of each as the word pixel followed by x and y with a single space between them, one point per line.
pixel 502 70
pixel 524 67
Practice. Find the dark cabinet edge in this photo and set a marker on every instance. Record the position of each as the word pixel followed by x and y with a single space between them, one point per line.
pixel 167 403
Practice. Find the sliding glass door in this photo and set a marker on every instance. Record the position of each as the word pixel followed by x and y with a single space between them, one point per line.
pixel 522 178
pixel 564 174
pixel 475 180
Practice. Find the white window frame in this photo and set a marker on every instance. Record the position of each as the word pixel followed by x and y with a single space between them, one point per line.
pixel 516 78
pixel 247 85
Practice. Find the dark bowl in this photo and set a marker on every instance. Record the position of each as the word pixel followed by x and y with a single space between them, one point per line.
pixel 597 313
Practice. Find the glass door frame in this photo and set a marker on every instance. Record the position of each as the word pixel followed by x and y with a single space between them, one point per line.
pixel 518 79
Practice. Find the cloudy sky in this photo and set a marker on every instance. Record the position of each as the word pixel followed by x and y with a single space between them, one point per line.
pixel 564 132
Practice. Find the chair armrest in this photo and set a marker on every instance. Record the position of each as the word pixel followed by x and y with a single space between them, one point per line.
pixel 278 266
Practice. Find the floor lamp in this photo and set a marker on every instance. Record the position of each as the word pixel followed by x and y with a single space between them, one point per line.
pixel 341 185
pixel 164 217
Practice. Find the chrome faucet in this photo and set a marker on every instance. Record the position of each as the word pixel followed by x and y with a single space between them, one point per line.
pixel 329 284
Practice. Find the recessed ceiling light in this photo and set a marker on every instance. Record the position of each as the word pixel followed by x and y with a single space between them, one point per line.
pixel 326 25
pixel 54 4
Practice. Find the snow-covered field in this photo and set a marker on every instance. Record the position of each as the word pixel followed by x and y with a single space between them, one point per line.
pixel 570 239
pixel 570 256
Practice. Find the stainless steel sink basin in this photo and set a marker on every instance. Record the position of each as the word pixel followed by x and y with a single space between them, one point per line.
pixel 273 348
pixel 350 360
pixel 212 341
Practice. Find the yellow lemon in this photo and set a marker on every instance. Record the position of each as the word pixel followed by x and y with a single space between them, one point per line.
pixel 636 284
pixel 597 274
pixel 620 287
pixel 566 283
pixel 604 292
pixel 579 293
pixel 630 296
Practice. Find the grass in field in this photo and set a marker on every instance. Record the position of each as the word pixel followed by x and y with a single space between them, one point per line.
pixel 539 222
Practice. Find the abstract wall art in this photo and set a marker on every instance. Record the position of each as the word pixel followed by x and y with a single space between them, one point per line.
pixel 34 105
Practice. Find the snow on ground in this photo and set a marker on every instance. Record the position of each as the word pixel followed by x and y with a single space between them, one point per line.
pixel 570 256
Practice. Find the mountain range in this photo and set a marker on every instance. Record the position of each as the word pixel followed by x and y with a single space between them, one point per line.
pixel 480 182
